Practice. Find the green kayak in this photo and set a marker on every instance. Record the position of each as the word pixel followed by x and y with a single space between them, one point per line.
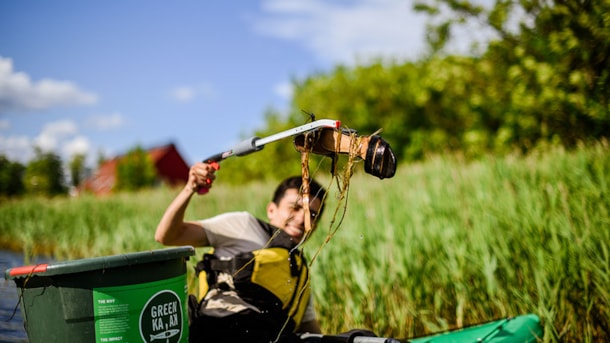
pixel 524 328
pixel 520 329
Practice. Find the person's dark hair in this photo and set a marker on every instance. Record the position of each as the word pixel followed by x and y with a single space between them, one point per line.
pixel 295 182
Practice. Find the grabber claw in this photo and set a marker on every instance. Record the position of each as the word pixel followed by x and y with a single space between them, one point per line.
pixel 379 159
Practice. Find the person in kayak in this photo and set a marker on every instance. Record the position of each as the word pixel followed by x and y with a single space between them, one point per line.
pixel 255 286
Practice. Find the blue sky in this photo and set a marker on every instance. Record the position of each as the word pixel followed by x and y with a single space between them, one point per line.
pixel 104 76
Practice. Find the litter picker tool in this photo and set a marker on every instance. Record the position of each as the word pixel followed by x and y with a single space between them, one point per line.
pixel 254 144
pixel 323 137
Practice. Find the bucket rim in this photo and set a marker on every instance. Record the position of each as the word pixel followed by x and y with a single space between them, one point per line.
pixel 99 263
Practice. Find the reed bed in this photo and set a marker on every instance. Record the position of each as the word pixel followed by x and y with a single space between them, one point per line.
pixel 445 243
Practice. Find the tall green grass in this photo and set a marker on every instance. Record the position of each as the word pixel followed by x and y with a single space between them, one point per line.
pixel 443 244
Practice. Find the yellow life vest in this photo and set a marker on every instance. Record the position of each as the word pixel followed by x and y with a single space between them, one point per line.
pixel 275 280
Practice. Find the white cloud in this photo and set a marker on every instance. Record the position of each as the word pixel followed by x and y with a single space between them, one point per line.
pixel 61 137
pixel 106 122
pixel 54 134
pixel 16 148
pixel 337 32
pixel 76 145
pixel 58 137
pixel 187 93
pixel 183 94
pixel 284 90
pixel 19 93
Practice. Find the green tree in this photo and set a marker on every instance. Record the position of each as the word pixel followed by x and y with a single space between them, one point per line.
pixel 44 174
pixel 551 61
pixel 77 169
pixel 542 79
pixel 11 177
pixel 135 170
pixel 418 108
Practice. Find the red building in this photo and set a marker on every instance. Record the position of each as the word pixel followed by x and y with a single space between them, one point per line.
pixel 171 170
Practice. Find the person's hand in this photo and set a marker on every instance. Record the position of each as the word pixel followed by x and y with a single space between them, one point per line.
pixel 201 176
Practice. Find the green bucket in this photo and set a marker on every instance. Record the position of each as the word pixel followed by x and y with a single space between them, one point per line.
pixel 135 297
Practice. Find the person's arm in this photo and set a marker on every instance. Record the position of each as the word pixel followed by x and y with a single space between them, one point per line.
pixel 311 326
pixel 172 229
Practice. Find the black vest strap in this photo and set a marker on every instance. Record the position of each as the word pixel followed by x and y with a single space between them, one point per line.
pixel 278 239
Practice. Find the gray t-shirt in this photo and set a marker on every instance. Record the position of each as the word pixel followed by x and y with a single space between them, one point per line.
pixel 230 234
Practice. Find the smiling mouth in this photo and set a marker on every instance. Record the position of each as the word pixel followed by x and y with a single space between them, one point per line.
pixel 294 231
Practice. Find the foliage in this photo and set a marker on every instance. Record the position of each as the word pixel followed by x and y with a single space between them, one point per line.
pixel 550 66
pixel 445 243
pixel 77 169
pixel 135 170
pixel 44 174
pixel 11 177
pixel 450 243
pixel 542 79
pixel 407 101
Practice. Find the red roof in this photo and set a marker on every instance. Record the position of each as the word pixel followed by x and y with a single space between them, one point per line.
pixel 169 164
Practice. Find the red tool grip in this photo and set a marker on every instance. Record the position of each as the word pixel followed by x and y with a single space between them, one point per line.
pixel 204 190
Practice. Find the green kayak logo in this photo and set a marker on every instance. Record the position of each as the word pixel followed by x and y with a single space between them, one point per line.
pixel 161 318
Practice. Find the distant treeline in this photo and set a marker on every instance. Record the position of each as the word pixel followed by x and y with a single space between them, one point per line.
pixel 46 174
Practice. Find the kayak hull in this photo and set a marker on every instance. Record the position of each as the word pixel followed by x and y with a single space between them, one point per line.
pixel 524 328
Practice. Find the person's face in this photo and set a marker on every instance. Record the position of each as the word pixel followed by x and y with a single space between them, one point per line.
pixel 289 214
